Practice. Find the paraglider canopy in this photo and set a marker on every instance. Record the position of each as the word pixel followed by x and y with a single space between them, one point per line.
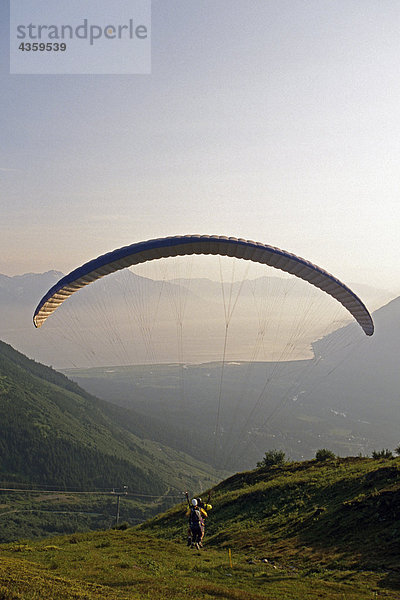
pixel 202 244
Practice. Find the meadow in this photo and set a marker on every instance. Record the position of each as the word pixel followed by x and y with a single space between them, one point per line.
pixel 299 531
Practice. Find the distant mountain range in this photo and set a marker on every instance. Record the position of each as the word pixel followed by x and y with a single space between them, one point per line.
pixel 363 380
pixel 143 316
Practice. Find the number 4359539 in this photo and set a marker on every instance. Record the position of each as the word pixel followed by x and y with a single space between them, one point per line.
pixel 42 47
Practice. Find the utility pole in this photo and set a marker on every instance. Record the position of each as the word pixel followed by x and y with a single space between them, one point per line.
pixel 119 494
pixel 117 515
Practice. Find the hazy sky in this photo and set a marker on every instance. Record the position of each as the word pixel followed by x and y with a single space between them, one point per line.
pixel 273 120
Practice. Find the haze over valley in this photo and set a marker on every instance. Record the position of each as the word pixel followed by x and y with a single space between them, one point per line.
pixel 120 340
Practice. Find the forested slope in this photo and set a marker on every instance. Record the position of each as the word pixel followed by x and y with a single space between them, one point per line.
pixel 53 432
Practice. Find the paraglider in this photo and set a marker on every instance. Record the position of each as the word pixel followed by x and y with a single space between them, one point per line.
pixel 140 321
pixel 202 244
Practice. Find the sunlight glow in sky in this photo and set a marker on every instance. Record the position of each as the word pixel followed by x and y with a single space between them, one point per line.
pixel 276 121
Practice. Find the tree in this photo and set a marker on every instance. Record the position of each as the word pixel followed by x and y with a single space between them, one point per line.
pixel 272 458
pixel 324 454
pixel 384 453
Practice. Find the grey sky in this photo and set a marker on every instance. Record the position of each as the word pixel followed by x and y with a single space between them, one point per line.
pixel 271 120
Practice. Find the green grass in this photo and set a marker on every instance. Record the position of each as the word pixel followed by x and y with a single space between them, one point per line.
pixel 134 564
pixel 327 530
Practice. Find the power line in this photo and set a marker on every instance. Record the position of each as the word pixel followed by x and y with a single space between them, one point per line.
pixel 96 492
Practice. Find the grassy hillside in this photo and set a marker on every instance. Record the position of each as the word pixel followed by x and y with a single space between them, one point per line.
pixel 55 434
pixel 347 507
pixel 301 531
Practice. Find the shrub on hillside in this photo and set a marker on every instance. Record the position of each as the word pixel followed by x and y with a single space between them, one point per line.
pixel 271 458
pixel 122 526
pixel 324 454
pixel 384 453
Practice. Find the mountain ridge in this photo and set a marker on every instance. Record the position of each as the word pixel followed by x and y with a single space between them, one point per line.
pixel 19 295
